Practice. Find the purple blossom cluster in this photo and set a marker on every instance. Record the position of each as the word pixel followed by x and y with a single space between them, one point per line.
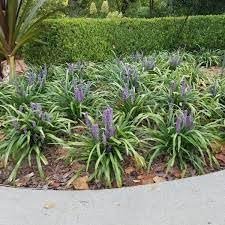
pixel 148 63
pixel 38 79
pixel 31 78
pixel 37 109
pixel 20 90
pixel 76 67
pixel 184 87
pixel 15 124
pixel 109 130
pixel 130 74
pixel 80 90
pixel 138 56
pixel 175 60
pixel 128 94
pixel 108 122
pixel 184 121
pixel 37 138
pixel 79 94
pixel 214 89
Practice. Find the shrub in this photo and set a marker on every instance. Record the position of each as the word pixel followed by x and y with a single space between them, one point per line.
pixel 114 15
pixel 97 40
pixel 93 9
pixel 105 7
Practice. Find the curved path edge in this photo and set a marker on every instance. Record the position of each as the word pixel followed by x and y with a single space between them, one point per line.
pixel 191 201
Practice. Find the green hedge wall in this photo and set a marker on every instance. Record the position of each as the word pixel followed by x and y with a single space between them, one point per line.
pixel 68 40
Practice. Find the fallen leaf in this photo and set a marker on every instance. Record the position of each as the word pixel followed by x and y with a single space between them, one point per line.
pixel 77 166
pixel 221 157
pixel 158 179
pixel 49 205
pixel 158 167
pixel 23 180
pixel 140 177
pixel 62 152
pixel 175 172
pixel 129 170
pixel 81 183
pixel 147 180
pixel 137 181
pixel 55 184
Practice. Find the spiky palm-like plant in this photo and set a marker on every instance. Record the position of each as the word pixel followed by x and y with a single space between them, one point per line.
pixel 19 23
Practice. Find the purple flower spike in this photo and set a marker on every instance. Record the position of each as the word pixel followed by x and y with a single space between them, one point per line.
pixel 104 139
pixel 125 93
pixel 71 67
pixel 45 117
pixel 128 94
pixel 108 122
pixel 185 120
pixel 148 63
pixel 31 78
pixel 108 117
pixel 178 124
pixel 95 131
pixel 183 87
pixel 189 122
pixel 25 130
pixel 36 107
pixel 87 120
pixel 173 86
pixel 185 115
pixel 79 94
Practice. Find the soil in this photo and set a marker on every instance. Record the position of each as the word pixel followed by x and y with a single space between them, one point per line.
pixel 213 71
pixel 62 175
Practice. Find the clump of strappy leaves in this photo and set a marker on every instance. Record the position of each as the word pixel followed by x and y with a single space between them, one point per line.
pixel 104 146
pixel 71 95
pixel 26 89
pixel 179 95
pixel 28 130
pixel 183 141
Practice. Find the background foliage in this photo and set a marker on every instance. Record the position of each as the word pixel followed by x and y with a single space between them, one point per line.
pixel 97 39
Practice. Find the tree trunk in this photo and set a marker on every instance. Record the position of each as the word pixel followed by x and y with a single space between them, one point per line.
pixel 12 67
pixel 151 7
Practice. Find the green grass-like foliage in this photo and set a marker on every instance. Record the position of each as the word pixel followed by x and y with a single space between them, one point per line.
pixel 105 148
pixel 183 140
pixel 163 106
pixel 27 132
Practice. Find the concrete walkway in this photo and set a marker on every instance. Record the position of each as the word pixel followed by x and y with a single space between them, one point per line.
pixel 192 201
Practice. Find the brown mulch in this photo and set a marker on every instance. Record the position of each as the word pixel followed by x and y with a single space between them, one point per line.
pixel 212 71
pixel 61 175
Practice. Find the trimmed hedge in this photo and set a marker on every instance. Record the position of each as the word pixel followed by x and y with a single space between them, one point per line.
pixel 68 40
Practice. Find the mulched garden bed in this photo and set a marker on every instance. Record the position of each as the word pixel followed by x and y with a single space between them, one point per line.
pixel 60 175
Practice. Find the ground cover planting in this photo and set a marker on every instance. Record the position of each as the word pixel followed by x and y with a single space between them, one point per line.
pixel 127 121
